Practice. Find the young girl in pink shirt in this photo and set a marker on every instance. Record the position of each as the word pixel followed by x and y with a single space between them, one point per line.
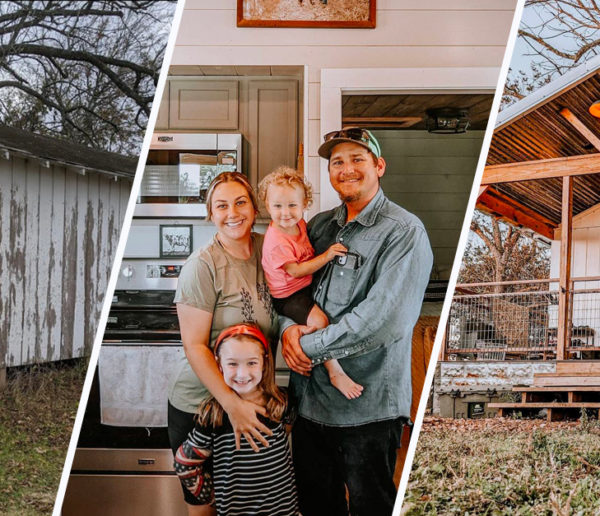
pixel 289 260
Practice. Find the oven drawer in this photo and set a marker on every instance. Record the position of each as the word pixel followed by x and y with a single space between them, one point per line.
pixel 123 495
pixel 124 482
pixel 123 460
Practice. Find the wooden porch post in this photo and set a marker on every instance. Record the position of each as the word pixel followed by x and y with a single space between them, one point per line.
pixel 566 237
pixel 443 350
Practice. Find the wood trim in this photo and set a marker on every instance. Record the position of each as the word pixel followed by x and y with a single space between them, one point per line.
pixel 580 127
pixel 397 122
pixel 565 267
pixel 541 169
pixel 492 201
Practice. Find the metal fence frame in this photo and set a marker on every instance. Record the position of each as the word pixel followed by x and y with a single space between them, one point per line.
pixel 522 324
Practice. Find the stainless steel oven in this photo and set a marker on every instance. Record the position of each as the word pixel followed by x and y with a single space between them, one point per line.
pixel 123 464
pixel 179 168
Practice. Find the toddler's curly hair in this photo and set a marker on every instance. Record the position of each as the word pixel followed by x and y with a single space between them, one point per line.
pixel 285 176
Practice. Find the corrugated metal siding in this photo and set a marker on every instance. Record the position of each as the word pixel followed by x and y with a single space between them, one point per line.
pixel 58 234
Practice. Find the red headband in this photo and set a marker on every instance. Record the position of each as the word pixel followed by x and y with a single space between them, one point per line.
pixel 241 329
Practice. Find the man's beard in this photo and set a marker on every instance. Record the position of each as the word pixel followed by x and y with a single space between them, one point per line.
pixel 349 197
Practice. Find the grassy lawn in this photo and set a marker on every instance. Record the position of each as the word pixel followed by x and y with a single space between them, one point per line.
pixel 505 466
pixel 37 411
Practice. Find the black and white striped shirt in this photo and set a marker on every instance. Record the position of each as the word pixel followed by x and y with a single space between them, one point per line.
pixel 247 482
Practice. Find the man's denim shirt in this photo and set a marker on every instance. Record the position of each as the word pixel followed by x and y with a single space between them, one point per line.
pixel 372 311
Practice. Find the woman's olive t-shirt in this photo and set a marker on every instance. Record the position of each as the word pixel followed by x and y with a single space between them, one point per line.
pixel 234 291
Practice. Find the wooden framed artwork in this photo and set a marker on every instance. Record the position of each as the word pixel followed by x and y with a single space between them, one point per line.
pixel 306 13
pixel 175 240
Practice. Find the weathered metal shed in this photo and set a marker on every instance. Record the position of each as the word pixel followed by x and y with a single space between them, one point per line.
pixel 61 211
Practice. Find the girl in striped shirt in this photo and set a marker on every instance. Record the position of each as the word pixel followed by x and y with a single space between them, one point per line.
pixel 249 480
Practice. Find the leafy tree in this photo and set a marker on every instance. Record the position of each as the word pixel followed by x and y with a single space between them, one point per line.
pixel 502 252
pixel 85 71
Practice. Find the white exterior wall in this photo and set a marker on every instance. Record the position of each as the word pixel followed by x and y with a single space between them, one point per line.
pixel 409 34
pixel 585 262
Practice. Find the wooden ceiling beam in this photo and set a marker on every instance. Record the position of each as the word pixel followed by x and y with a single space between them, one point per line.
pixel 494 202
pixel 542 169
pixel 400 122
pixel 580 127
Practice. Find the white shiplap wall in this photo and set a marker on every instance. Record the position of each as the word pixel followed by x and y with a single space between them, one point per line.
pixel 58 234
pixel 431 175
pixel 585 253
pixel 409 34
pixel 585 262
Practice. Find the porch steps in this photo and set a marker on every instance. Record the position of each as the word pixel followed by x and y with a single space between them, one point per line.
pixel 574 386
pixel 561 380
pixel 578 367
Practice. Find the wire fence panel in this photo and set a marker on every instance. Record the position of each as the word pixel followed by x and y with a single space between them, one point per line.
pixel 522 322
pixel 585 325
pixel 503 326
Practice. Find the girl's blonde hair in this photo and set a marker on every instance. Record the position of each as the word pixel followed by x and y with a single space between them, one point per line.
pixel 285 176
pixel 210 412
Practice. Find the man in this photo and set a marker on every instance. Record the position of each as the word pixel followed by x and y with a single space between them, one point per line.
pixel 372 297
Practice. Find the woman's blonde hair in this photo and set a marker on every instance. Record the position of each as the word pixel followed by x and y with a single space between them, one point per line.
pixel 227 177
pixel 285 176
pixel 210 412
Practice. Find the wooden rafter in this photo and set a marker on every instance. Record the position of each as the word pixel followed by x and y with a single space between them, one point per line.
pixel 542 169
pixel 581 127
pixel 499 204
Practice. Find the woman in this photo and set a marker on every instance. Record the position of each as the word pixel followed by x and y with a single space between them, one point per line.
pixel 220 285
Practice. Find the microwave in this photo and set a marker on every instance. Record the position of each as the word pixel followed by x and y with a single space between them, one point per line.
pixel 179 169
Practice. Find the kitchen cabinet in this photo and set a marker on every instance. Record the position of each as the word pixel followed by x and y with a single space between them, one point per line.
pixel 199 104
pixel 272 125
pixel 265 110
pixel 162 121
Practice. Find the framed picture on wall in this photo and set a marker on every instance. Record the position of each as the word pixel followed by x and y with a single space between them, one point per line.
pixel 175 240
pixel 306 13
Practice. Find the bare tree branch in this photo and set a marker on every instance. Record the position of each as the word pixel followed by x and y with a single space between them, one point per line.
pixel 559 34
pixel 83 70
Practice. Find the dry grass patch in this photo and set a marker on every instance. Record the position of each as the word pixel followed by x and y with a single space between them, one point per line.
pixel 37 410
pixel 505 466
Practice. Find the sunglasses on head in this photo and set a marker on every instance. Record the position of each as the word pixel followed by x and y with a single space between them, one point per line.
pixel 354 133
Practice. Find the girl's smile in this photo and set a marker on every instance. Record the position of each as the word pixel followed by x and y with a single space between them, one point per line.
pixel 241 361
pixel 286 205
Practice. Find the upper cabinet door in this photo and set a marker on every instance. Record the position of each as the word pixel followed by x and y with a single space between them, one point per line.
pixel 162 121
pixel 197 104
pixel 272 124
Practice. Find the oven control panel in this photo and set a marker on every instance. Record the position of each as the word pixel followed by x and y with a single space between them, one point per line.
pixel 151 274
pixel 162 271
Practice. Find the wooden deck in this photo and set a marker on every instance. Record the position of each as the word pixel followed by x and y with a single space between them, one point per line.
pixel 574 386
